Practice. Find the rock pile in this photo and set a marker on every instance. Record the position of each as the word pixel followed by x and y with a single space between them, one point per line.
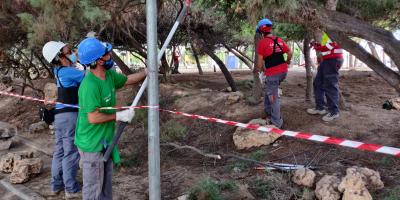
pixel 21 165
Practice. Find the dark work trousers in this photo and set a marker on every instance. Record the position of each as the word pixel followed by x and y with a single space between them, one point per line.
pixel 272 100
pixel 326 84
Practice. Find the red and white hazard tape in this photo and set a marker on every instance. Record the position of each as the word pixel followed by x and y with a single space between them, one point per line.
pixel 306 136
pixel 69 105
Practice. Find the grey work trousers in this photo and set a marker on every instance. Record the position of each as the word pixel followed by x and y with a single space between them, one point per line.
pixel 97 176
pixel 272 100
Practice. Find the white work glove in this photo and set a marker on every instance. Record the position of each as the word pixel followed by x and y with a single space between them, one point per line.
pixel 125 115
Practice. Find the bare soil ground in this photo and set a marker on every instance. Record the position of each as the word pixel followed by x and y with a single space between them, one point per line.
pixel 365 120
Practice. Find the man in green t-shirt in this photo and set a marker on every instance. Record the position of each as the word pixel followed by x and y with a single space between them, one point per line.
pixel 95 127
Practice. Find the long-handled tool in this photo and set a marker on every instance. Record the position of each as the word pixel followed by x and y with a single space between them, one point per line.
pixel 122 125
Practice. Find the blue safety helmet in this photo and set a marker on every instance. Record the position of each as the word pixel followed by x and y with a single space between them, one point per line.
pixel 263 23
pixel 92 49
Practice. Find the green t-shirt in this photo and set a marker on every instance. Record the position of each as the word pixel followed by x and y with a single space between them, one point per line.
pixel 95 93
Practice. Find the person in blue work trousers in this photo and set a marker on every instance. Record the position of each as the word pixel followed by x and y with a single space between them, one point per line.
pixel 326 82
pixel 270 52
pixel 65 161
pixel 95 127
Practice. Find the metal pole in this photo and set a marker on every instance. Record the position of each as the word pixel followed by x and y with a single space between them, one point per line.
pixel 153 119
pixel 122 125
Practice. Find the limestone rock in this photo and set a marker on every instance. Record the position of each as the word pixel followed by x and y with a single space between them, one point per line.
pixel 357 181
pixel 6 163
pixel 35 165
pixel 50 91
pixel 246 138
pixel 371 178
pixel 24 169
pixel 5 143
pixel 37 127
pixel 22 155
pixel 327 188
pixel 20 174
pixel 353 188
pixel 234 97
pixel 304 177
pixel 228 89
pixel 7 132
pixel 395 103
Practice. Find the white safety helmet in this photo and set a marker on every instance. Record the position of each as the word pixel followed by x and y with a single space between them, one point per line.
pixel 51 49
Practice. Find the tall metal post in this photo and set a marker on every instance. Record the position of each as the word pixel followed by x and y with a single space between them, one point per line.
pixel 153 119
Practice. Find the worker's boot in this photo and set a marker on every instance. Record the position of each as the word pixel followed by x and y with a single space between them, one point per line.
pixel 329 117
pixel 70 195
pixel 314 111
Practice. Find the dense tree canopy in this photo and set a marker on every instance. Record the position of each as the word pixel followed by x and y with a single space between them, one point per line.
pixel 28 24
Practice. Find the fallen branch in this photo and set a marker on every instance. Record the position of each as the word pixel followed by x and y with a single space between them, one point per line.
pixel 176 146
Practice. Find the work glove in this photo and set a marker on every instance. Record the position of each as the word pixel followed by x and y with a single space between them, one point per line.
pixel 125 115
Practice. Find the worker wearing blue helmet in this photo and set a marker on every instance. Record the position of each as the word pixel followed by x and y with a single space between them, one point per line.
pixel 95 127
pixel 270 51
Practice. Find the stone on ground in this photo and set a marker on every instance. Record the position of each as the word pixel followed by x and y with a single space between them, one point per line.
pixel 38 127
pixel 371 178
pixel 327 188
pixel 6 163
pixel 7 132
pixel 395 103
pixel 20 174
pixel 357 181
pixel 25 169
pixel 246 138
pixel 234 97
pixel 304 177
pixel 353 188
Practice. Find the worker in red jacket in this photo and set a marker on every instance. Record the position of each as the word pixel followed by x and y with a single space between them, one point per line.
pixel 326 82
pixel 271 50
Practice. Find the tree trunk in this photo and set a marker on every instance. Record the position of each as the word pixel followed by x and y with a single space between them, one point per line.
pixel 223 68
pixel 242 58
pixel 307 61
pixel 376 65
pixel 243 54
pixel 257 91
pixel 349 25
pixel 165 68
pixel 124 68
pixel 196 57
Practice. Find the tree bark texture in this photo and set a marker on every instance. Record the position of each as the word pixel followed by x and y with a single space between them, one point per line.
pixel 307 60
pixel 390 76
pixel 196 57
pixel 257 91
pixel 124 68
